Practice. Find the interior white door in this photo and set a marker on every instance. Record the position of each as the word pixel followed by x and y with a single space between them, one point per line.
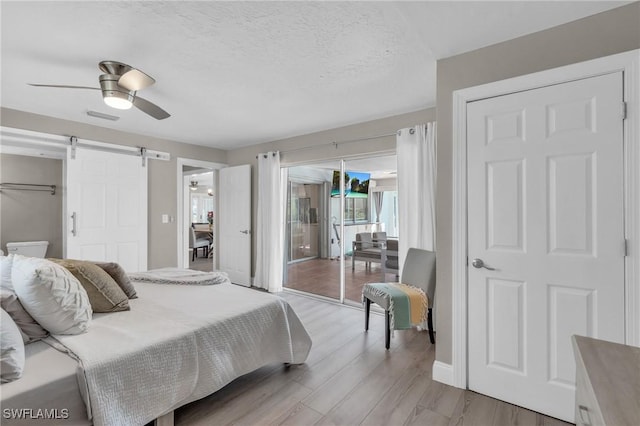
pixel 235 223
pixel 545 216
pixel 107 208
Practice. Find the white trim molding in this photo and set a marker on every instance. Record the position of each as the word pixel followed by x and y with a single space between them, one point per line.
pixel 629 64
pixel 442 373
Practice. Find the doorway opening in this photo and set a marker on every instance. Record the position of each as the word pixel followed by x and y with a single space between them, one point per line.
pixel 197 214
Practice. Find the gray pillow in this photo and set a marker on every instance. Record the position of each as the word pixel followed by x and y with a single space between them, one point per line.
pixel 12 349
pixel 30 329
pixel 120 277
pixel 104 293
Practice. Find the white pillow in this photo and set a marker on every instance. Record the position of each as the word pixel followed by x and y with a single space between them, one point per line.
pixel 51 295
pixel 11 349
pixel 5 271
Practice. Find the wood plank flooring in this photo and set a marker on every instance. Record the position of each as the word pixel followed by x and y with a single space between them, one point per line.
pixel 350 379
pixel 322 277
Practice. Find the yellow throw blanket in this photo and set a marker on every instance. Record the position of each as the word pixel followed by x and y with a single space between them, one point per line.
pixel 408 305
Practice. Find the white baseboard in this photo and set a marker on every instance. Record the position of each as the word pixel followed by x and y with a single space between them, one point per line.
pixel 442 373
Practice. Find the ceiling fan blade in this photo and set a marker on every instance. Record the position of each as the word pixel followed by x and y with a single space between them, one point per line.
pixel 135 80
pixel 150 108
pixel 63 86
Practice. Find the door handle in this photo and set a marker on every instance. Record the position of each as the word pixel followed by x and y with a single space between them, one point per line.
pixel 245 232
pixel 74 218
pixel 479 263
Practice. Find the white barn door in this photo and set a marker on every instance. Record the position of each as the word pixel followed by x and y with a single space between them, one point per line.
pixel 235 223
pixel 545 217
pixel 107 208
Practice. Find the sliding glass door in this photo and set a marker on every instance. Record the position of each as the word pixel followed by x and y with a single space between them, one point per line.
pixel 336 213
pixel 312 251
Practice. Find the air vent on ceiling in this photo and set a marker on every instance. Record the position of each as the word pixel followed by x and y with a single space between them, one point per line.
pixel 102 115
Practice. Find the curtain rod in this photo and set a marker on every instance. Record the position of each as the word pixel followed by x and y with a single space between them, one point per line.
pixel 336 143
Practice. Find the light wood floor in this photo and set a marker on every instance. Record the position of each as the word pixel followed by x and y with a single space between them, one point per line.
pixel 201 263
pixel 322 277
pixel 350 379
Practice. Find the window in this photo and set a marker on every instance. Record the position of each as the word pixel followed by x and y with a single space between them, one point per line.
pixel 201 205
pixel 356 210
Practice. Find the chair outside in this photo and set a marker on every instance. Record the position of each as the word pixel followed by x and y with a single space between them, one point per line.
pixel 419 270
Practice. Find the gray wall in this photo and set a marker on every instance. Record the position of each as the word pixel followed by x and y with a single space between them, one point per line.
pixel 31 215
pixel 600 35
pixel 361 130
pixel 162 174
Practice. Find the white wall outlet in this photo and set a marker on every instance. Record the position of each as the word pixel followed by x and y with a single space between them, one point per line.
pixel 165 218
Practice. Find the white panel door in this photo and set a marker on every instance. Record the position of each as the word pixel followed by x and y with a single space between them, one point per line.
pixel 235 223
pixel 107 209
pixel 545 214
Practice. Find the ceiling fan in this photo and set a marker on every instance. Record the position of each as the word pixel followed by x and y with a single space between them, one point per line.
pixel 119 85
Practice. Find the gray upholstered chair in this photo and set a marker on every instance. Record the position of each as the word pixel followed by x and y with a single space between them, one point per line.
pixel 419 271
pixel 392 264
pixel 368 251
pixel 380 236
pixel 196 243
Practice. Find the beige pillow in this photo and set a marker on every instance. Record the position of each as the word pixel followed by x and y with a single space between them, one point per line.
pixel 104 293
pixel 120 277
pixel 30 329
pixel 12 355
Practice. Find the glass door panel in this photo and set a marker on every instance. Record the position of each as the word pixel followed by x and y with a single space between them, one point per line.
pixel 312 250
pixel 367 219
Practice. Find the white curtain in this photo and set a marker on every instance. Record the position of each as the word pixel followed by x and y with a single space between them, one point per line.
pixel 377 203
pixel 416 150
pixel 270 223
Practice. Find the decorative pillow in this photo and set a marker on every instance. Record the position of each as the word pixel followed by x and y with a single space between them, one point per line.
pixel 104 293
pixel 51 295
pixel 12 349
pixel 119 276
pixel 5 271
pixel 30 329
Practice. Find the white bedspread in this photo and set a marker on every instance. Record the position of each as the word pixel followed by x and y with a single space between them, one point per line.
pixel 180 276
pixel 178 344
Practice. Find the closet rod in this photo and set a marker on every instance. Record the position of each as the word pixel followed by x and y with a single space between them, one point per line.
pixel 28 187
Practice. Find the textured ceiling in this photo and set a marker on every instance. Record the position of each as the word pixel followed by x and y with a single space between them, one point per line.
pixel 234 74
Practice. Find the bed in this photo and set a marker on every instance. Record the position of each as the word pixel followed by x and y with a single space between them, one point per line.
pixel 177 344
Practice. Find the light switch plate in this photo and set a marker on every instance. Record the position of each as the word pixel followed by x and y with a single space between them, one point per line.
pixel 165 218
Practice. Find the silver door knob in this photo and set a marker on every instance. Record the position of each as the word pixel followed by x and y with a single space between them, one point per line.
pixel 246 231
pixel 479 263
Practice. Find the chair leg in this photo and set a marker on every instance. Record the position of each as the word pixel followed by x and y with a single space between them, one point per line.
pixel 367 309
pixel 193 254
pixel 430 326
pixel 387 329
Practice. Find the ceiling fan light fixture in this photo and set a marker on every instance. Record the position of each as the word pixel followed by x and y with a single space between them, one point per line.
pixel 118 100
pixel 113 95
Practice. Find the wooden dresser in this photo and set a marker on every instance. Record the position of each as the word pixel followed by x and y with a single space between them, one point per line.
pixel 607 383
